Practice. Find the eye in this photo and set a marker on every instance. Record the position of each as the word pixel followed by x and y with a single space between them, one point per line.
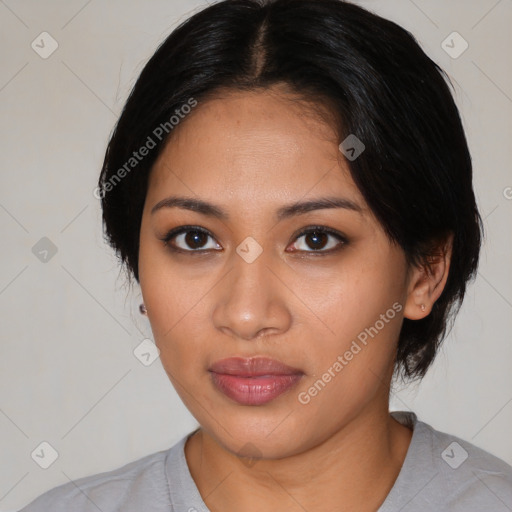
pixel 190 239
pixel 319 239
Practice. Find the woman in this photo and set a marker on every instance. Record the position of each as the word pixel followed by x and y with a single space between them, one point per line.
pixel 290 184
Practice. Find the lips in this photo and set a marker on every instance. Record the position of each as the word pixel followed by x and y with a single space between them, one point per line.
pixel 253 381
pixel 252 367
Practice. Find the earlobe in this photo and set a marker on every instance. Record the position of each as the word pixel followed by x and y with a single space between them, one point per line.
pixel 427 282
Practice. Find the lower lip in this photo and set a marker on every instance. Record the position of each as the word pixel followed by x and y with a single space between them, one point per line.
pixel 254 390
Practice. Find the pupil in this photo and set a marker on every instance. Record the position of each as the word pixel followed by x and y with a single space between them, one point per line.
pixel 195 239
pixel 318 239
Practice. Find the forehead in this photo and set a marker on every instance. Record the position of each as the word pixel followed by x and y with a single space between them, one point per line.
pixel 253 146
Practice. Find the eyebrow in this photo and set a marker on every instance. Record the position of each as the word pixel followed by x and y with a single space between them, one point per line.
pixel 298 208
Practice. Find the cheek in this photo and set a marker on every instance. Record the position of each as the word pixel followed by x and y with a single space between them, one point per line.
pixel 352 298
pixel 168 299
pixel 176 311
pixel 361 314
pixel 352 364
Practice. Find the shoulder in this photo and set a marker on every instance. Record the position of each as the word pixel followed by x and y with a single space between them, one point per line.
pixel 133 486
pixel 469 474
pixel 451 474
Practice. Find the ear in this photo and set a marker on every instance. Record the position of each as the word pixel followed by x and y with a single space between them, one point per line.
pixel 427 281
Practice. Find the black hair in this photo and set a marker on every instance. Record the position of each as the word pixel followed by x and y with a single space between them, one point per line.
pixel 415 172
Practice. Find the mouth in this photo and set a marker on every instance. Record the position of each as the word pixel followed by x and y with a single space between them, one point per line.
pixel 253 381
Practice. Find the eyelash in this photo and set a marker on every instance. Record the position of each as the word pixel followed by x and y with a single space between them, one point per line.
pixel 173 233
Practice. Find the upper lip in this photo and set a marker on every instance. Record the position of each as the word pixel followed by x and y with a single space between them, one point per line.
pixel 252 367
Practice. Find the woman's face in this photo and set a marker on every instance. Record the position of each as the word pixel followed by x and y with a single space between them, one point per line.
pixel 250 284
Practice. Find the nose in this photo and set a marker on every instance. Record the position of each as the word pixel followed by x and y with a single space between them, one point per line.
pixel 251 302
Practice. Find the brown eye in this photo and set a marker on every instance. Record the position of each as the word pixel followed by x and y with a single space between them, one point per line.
pixel 195 239
pixel 316 240
pixel 190 239
pixel 319 240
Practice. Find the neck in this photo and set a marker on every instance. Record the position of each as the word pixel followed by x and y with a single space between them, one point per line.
pixel 354 469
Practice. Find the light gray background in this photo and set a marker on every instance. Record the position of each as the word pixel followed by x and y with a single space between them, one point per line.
pixel 69 326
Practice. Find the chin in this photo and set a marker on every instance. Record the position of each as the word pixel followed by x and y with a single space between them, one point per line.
pixel 271 438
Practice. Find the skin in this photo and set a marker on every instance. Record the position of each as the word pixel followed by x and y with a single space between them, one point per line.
pixel 251 153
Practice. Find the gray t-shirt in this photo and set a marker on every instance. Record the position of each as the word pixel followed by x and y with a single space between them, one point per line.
pixel 440 473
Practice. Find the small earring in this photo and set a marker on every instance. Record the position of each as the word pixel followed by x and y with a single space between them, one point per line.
pixel 423 307
pixel 143 310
